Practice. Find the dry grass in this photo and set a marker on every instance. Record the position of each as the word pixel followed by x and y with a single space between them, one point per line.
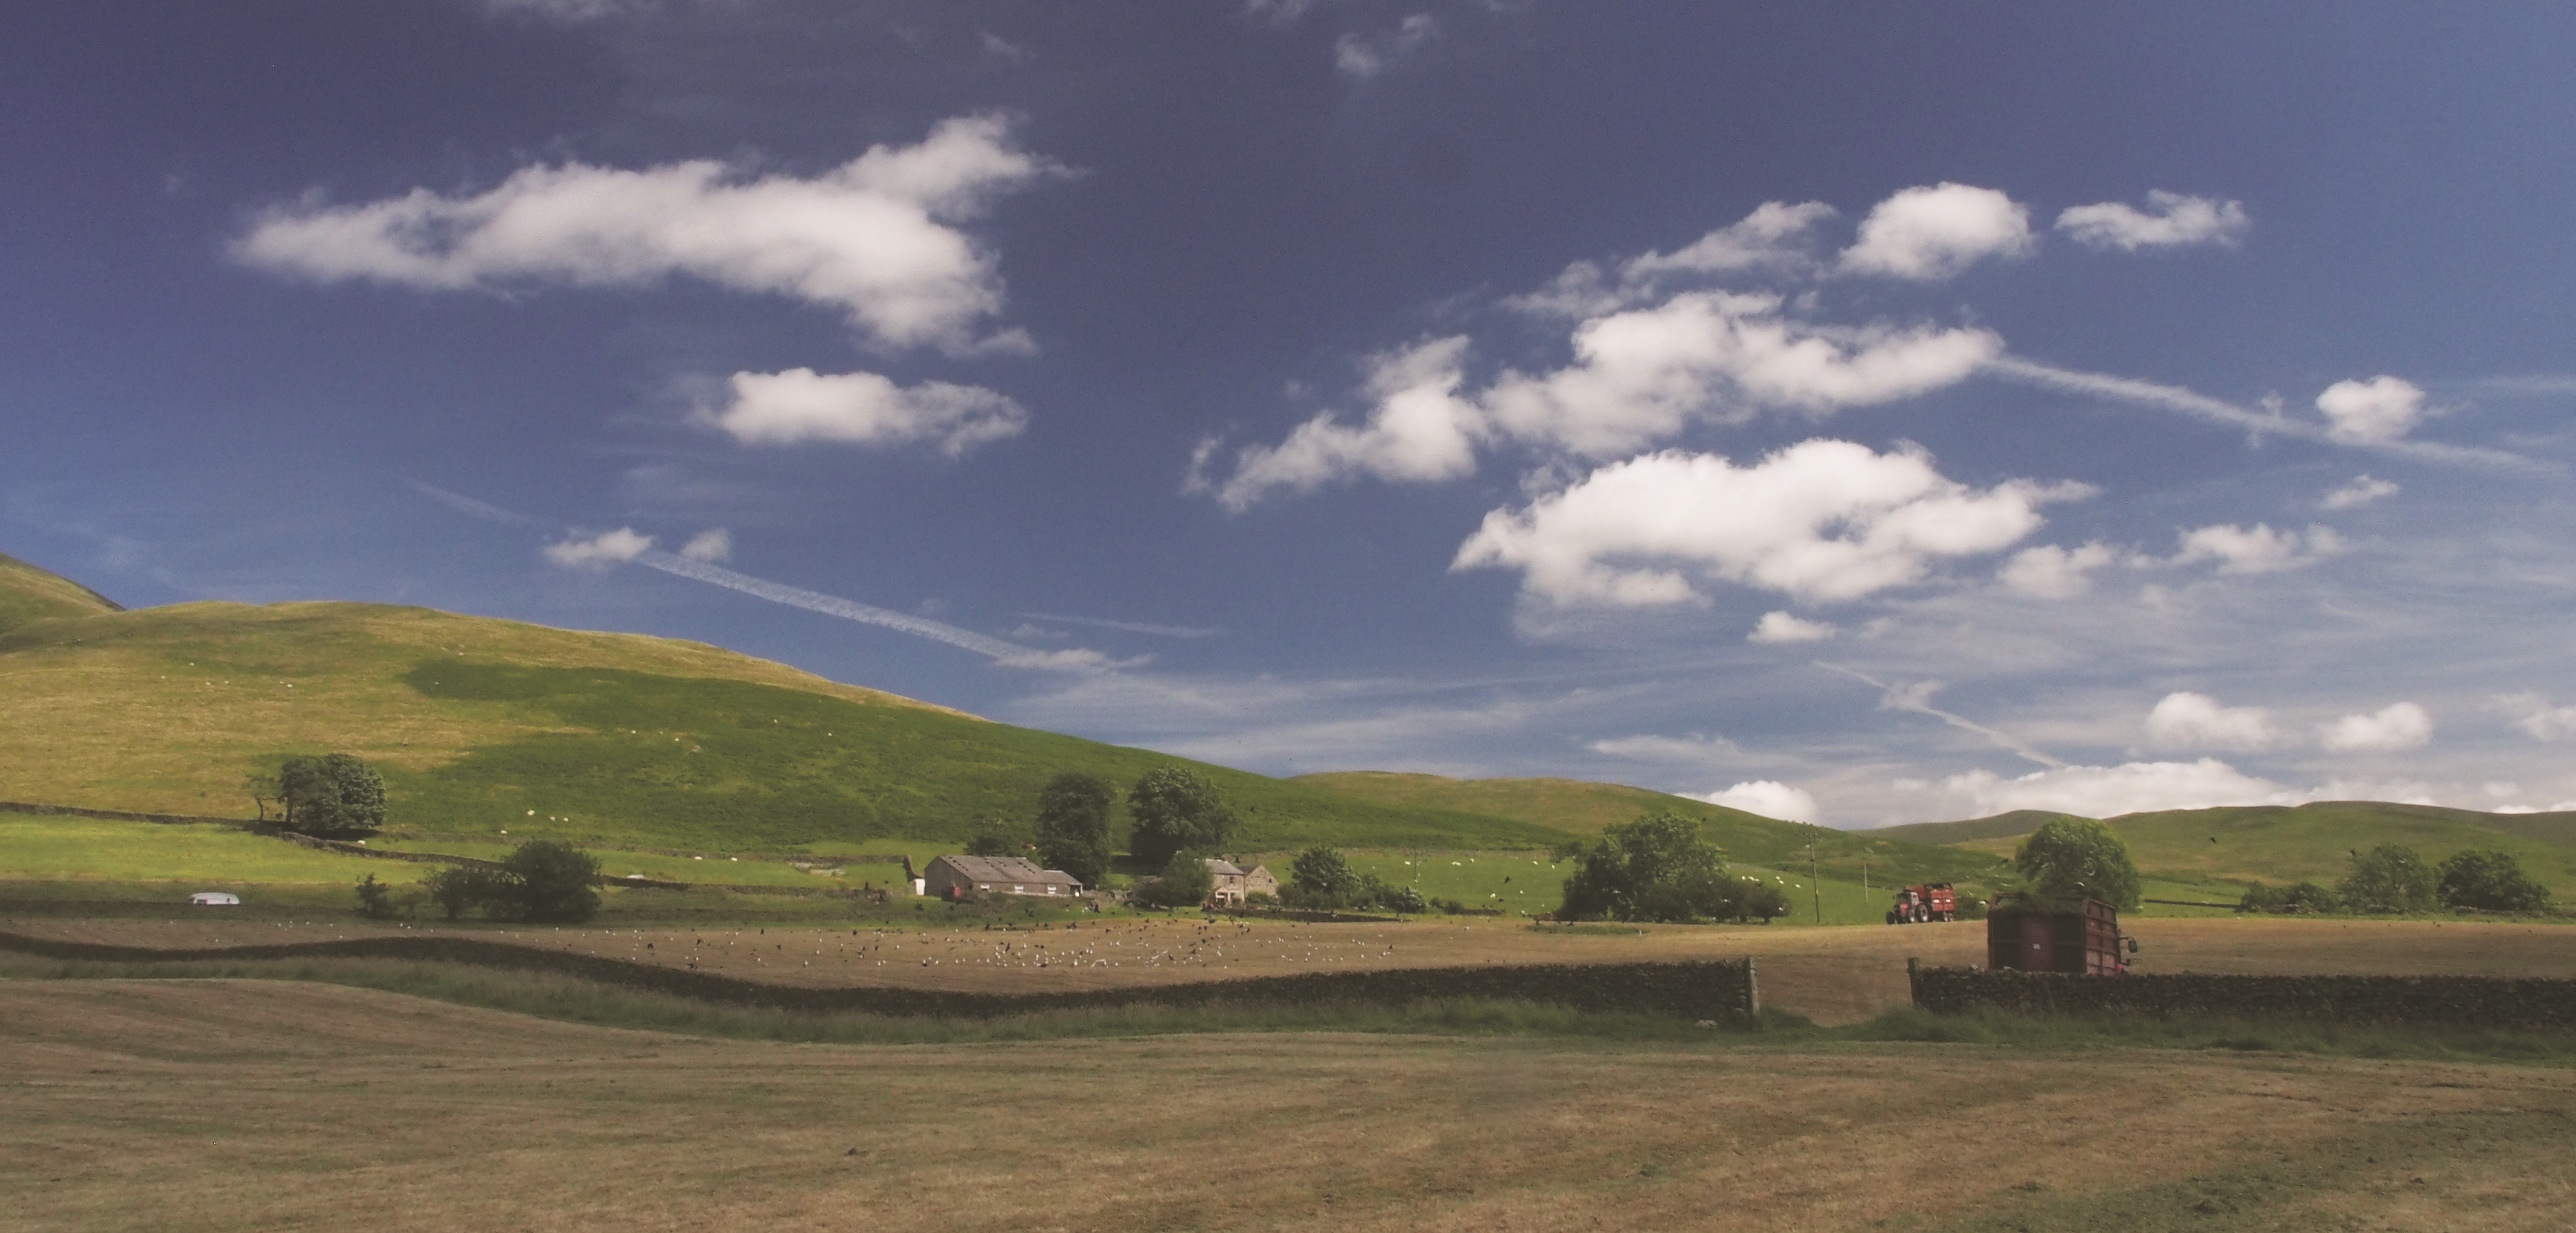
pixel 1829 975
pixel 257 1105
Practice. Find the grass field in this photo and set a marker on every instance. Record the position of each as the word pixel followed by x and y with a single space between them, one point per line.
pixel 34 847
pixel 259 1105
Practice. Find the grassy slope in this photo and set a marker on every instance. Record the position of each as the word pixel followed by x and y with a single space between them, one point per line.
pixel 1586 808
pixel 30 594
pixel 482 724
pixel 2287 843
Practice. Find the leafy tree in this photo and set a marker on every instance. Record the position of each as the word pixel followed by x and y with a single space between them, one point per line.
pixel 1409 900
pixel 992 843
pixel 2490 879
pixel 1655 868
pixel 2296 897
pixel 1176 810
pixel 457 889
pixel 1073 825
pixel 335 794
pixel 1322 876
pixel 2388 878
pixel 375 899
pixel 1184 881
pixel 552 881
pixel 2078 858
pixel 1754 899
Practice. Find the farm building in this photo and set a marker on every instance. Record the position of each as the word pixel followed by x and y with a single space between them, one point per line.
pixel 955 877
pixel 214 899
pixel 1231 884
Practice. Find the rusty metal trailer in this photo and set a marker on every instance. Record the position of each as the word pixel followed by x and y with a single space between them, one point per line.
pixel 2029 938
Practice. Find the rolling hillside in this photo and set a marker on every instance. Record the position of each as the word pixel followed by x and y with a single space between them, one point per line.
pixel 1568 805
pixel 2278 844
pixel 483 724
pixel 29 594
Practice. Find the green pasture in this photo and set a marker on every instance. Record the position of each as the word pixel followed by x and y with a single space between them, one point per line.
pixel 37 847
pixel 717 869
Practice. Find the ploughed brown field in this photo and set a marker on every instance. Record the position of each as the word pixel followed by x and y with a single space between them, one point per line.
pixel 265 1105
pixel 1832 975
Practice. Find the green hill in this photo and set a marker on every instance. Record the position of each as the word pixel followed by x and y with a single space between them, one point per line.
pixel 2278 843
pixel 29 594
pixel 484 724
pixel 1582 808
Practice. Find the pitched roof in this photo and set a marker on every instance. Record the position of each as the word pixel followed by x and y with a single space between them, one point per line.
pixel 1006 869
pixel 1221 866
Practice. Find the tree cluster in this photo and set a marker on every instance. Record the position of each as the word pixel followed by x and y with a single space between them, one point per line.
pixel 543 880
pixel 2068 860
pixel 332 795
pixel 1073 826
pixel 1185 882
pixel 2392 878
pixel 1321 880
pixel 1176 810
pixel 1660 868
pixel 2388 878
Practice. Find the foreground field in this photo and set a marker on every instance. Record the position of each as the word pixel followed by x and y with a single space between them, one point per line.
pixel 264 1105
pixel 1832 976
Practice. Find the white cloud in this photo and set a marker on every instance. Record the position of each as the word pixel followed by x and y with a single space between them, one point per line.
pixel 862 408
pixel 2051 572
pixel 1693 748
pixel 1780 627
pixel 1362 58
pixel 1774 236
pixel 2360 492
pixel 712 544
pixel 871 237
pixel 599 551
pixel 1821 521
pixel 1932 233
pixel 2109 791
pixel 2398 726
pixel 1769 798
pixel 2257 549
pixel 1419 431
pixel 1640 375
pixel 2171 220
pixel 2533 714
pixel 2363 412
pixel 2185 720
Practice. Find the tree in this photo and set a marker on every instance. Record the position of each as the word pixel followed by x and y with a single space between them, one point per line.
pixel 2296 897
pixel 1185 881
pixel 552 881
pixel 2079 858
pixel 2388 878
pixel 459 888
pixel 1176 810
pixel 1323 877
pixel 1073 825
pixel 1655 868
pixel 2492 880
pixel 375 899
pixel 992 843
pixel 335 794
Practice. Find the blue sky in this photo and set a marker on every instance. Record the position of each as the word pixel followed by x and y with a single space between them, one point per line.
pixel 1855 412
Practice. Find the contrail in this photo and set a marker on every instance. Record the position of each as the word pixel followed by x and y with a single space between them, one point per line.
pixel 2218 411
pixel 1008 654
pixel 1894 699
pixel 1133 627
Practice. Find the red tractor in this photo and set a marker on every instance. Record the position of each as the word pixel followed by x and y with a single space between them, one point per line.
pixel 1916 905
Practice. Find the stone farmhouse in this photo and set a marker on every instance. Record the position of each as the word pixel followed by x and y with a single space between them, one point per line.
pixel 955 877
pixel 1232 885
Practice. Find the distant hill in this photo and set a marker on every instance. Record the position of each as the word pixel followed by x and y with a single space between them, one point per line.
pixel 484 724
pixel 30 594
pixel 2286 843
pixel 1579 807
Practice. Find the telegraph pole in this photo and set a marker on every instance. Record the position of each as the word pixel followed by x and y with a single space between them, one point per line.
pixel 1815 884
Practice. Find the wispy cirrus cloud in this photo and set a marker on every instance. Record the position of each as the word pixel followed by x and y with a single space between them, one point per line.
pixel 2171 220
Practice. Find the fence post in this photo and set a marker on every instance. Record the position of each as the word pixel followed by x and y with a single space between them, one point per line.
pixel 1752 990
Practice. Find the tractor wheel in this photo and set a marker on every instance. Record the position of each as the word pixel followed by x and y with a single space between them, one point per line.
pixel 1891 918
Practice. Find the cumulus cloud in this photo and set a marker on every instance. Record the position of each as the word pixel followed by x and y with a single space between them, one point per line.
pixel 2396 727
pixel 2171 220
pixel 1779 627
pixel 874 238
pixel 2257 549
pixel 2360 492
pixel 2364 412
pixel 2186 720
pixel 599 551
pixel 1419 430
pixel 1769 798
pixel 712 544
pixel 2109 791
pixel 1931 233
pixel 2533 714
pixel 862 408
pixel 1820 521
pixel 1362 57
pixel 1640 375
pixel 2051 572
